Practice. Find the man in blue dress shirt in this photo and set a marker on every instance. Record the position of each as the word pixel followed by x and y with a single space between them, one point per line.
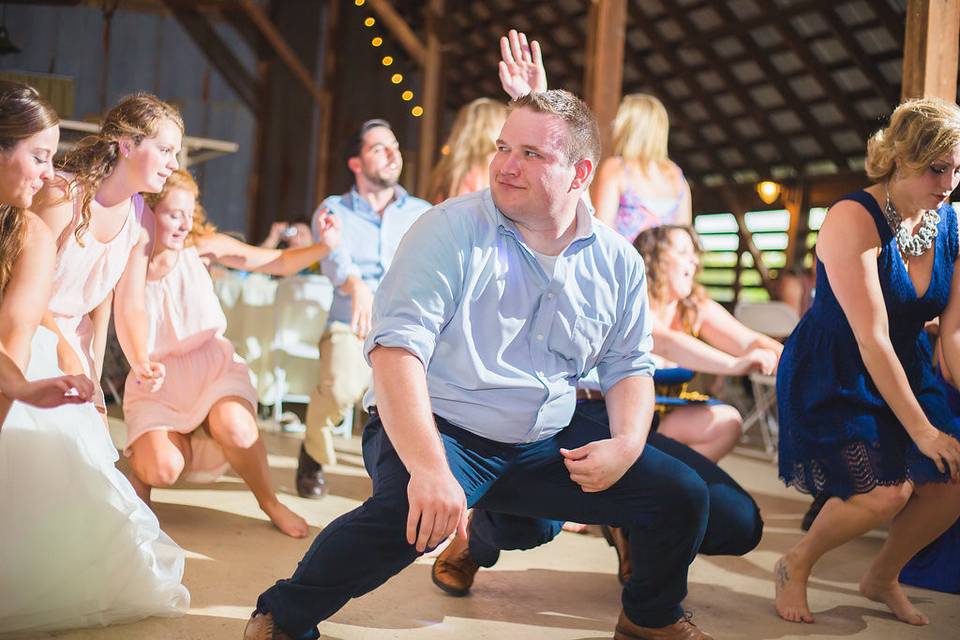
pixel 375 214
pixel 496 304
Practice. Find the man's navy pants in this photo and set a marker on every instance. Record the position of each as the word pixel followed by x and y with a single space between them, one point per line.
pixel 661 501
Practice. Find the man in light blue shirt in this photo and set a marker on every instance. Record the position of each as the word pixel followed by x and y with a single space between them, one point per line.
pixel 375 215
pixel 497 303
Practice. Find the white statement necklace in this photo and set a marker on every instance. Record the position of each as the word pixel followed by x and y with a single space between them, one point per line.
pixel 911 244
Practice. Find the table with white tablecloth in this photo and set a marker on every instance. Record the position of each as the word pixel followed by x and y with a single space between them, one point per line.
pixel 275 325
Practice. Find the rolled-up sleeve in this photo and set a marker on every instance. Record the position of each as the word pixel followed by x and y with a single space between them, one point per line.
pixel 421 290
pixel 629 351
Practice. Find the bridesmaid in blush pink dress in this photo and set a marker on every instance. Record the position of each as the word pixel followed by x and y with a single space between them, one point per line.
pixel 203 417
pixel 102 229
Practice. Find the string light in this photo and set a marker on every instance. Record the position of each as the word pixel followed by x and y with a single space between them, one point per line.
pixel 387 60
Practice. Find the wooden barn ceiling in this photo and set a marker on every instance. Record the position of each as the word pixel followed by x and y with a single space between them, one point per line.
pixel 754 88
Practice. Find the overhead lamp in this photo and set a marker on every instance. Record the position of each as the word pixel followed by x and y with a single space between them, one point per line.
pixel 768 191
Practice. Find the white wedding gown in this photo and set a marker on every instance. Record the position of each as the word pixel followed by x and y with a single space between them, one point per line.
pixel 78 548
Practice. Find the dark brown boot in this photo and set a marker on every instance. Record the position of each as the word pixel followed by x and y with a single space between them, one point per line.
pixel 454 569
pixel 617 538
pixel 261 627
pixel 311 482
pixel 682 629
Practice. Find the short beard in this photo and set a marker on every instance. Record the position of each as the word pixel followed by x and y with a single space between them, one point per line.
pixel 380 182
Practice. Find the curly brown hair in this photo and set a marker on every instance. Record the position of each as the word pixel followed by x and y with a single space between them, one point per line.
pixel 654 245
pixel 23 113
pixel 93 159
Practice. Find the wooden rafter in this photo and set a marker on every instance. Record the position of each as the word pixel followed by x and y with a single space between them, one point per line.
pixel 225 61
pixel 287 54
pixel 837 94
pixel 399 29
pixel 739 212
pixel 786 90
pixel 666 50
pixel 864 62
pixel 760 116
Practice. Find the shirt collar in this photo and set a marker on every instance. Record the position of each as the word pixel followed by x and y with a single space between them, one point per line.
pixel 584 217
pixel 357 203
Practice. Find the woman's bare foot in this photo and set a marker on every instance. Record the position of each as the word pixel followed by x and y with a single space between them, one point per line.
pixel 790 586
pixel 575 527
pixel 287 521
pixel 890 594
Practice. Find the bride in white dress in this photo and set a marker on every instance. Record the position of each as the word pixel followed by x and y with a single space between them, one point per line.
pixel 77 547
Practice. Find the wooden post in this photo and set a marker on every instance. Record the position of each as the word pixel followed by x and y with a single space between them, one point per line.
pixel 432 77
pixel 797 202
pixel 746 242
pixel 325 133
pixel 930 49
pixel 603 81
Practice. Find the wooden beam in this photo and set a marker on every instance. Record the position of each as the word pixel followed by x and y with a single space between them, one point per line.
pixel 217 53
pixel 330 71
pixel 739 212
pixel 432 102
pixel 603 78
pixel 400 30
pixel 286 53
pixel 797 202
pixel 790 95
pixel 930 48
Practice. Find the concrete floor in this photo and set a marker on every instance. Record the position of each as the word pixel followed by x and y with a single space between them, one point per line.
pixel 565 590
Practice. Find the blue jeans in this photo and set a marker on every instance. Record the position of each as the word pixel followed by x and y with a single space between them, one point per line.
pixel 734 525
pixel 662 501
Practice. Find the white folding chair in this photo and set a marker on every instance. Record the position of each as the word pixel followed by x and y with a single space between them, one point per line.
pixel 777 320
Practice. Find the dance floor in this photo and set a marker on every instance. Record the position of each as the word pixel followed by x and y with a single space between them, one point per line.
pixel 565 590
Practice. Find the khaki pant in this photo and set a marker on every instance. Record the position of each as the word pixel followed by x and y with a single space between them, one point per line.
pixel 344 377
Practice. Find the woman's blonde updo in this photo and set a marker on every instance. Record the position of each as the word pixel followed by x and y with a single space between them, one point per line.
pixel 920 131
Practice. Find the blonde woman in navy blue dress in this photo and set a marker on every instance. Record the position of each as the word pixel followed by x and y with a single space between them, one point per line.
pixel 862 417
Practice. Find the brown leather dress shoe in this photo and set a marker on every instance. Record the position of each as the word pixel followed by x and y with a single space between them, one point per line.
pixel 454 569
pixel 311 482
pixel 617 538
pixel 261 627
pixel 682 629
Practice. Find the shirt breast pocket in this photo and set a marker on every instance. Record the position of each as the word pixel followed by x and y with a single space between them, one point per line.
pixel 579 343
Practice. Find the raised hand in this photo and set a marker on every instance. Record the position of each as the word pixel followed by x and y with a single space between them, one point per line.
pixel 329 229
pixel 521 65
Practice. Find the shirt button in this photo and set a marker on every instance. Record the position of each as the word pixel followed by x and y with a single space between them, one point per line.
pixel 550 296
pixel 539 336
